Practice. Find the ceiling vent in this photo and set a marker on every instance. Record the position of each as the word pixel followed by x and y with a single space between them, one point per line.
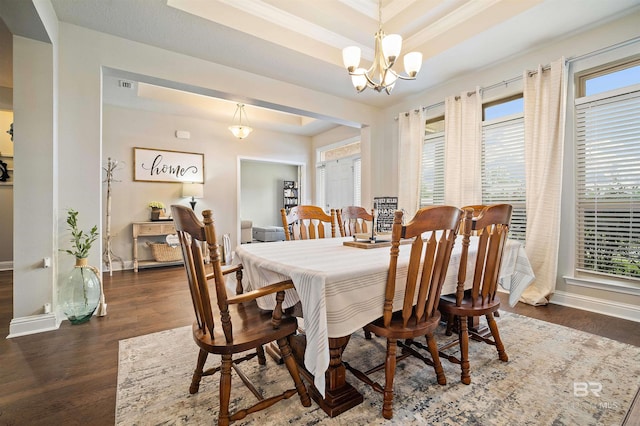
pixel 126 84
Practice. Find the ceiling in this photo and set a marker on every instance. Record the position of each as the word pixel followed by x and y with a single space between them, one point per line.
pixel 300 41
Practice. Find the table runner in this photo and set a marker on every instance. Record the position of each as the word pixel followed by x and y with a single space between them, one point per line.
pixel 342 288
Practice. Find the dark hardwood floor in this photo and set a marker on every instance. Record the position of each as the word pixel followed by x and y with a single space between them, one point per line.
pixel 68 376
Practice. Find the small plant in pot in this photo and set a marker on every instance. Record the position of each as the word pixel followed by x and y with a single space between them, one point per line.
pixel 81 291
pixel 156 208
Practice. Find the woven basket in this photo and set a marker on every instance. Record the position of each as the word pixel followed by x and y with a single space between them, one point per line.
pixel 163 252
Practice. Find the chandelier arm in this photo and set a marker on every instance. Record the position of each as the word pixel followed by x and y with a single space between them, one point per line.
pixel 405 77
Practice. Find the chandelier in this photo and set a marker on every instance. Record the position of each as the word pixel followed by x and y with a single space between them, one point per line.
pixel 239 130
pixel 380 75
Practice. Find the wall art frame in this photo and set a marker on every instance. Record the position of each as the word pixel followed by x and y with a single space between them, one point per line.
pixel 160 165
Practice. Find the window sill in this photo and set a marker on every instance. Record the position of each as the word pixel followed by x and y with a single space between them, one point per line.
pixel 604 284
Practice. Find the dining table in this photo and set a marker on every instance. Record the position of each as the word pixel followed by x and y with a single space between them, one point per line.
pixel 341 288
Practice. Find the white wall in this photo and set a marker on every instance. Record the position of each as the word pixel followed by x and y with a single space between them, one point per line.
pixel 262 190
pixel 35 228
pixel 124 129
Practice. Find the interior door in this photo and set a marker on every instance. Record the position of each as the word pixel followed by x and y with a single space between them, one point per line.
pixel 339 184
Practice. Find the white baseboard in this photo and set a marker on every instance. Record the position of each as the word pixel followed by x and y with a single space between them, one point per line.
pixel 118 266
pixel 6 266
pixel 32 324
pixel 600 306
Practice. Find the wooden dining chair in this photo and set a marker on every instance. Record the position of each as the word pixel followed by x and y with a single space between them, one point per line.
pixel 307 223
pixel 472 322
pixel 242 326
pixel 433 232
pixel 303 223
pixel 353 220
pixel 492 226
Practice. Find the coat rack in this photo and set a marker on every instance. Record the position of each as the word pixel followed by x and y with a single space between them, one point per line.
pixel 108 255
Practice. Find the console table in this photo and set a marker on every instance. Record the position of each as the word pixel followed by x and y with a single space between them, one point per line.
pixel 150 229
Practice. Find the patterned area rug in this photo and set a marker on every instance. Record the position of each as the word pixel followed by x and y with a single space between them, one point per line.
pixel 555 376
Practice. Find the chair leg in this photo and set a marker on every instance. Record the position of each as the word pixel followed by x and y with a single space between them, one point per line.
pixel 450 320
pixel 197 374
pixel 389 374
pixel 437 365
pixel 285 350
pixel 262 360
pixel 502 355
pixel 464 349
pixel 225 390
pixel 274 352
pixel 367 335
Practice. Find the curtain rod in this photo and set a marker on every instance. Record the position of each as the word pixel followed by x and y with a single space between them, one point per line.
pixel 534 72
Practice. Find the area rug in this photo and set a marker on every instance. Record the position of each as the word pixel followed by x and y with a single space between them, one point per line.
pixel 555 376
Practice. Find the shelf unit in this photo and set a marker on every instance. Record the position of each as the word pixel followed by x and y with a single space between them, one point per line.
pixel 150 229
pixel 290 194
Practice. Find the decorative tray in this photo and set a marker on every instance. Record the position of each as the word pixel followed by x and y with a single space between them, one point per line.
pixel 367 244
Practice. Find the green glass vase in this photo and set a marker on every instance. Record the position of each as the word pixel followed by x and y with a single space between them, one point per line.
pixel 79 294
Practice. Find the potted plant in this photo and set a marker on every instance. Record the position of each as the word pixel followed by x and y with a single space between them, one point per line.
pixel 81 292
pixel 156 208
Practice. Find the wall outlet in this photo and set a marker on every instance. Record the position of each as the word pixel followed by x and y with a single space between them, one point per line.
pixel 46 262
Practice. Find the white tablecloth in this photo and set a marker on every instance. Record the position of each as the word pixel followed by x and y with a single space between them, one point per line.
pixel 342 288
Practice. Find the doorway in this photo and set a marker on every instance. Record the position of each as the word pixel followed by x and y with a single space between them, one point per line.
pixel 262 189
pixel 338 175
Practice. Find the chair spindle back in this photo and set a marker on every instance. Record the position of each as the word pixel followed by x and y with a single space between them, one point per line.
pixel 353 220
pixel 191 233
pixel 492 228
pixel 307 223
pixel 433 230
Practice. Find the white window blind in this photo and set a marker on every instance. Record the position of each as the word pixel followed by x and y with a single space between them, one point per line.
pixel 321 181
pixel 503 169
pixel 432 179
pixel 608 183
pixel 357 180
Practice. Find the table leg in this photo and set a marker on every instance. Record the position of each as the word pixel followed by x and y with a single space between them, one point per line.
pixel 340 396
pixel 135 254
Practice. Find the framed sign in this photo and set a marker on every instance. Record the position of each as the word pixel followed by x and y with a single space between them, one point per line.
pixel 385 208
pixel 156 165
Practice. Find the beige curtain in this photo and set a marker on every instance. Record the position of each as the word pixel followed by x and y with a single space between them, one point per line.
pixel 411 127
pixel 463 149
pixel 544 116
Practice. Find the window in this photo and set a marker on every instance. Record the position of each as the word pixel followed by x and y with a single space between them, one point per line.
pixel 503 165
pixel 503 107
pixel 432 179
pixel 357 182
pixel 608 172
pixel 338 175
pixel 321 173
